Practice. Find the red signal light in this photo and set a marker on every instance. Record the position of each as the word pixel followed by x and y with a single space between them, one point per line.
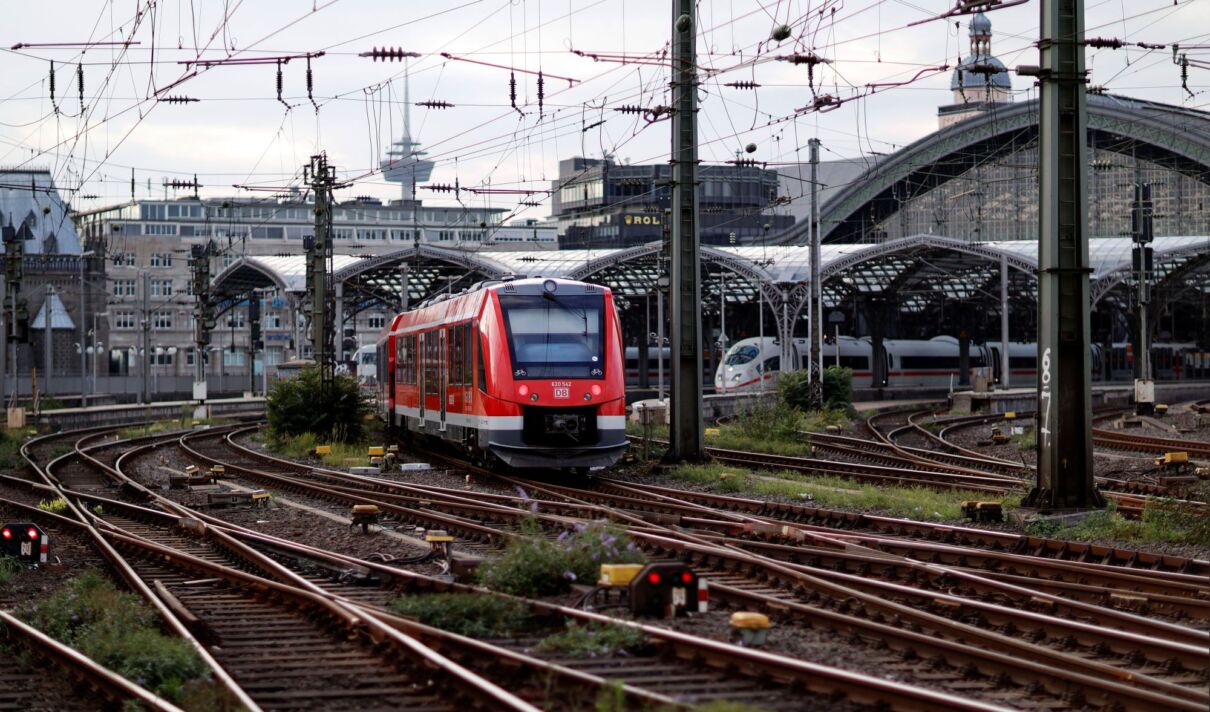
pixel 595 389
pixel 653 578
pixel 32 533
pixel 687 577
pixel 523 390
pixel 6 533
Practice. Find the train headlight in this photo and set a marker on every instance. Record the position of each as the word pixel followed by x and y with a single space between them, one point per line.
pixel 523 390
pixel 550 286
pixel 595 389
pixel 736 377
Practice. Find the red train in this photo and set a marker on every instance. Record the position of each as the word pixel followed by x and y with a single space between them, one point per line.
pixel 527 371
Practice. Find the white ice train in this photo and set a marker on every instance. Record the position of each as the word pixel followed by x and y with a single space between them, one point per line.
pixel 366 360
pixel 932 363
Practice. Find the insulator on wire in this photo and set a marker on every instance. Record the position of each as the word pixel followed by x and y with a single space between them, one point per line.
pixel 435 104
pixel 80 84
pixel 388 54
pixel 52 86
pixel 742 85
pixel 311 86
pixel 171 99
pixel 279 85
pixel 440 187
pixel 541 93
pixel 512 91
pixel 629 109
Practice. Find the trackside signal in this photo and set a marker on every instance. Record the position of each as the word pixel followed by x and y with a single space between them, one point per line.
pixel 667 590
pixel 24 541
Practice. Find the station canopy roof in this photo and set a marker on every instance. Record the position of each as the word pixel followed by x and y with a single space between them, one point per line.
pixel 862 267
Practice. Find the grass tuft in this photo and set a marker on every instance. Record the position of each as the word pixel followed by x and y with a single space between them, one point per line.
pixel 476 615
pixel 1163 521
pixel 914 502
pixel 119 632
pixel 9 567
pixel 58 505
pixel 534 565
pixel 593 641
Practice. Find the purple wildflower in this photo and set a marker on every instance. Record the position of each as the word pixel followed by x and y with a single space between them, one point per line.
pixel 569 575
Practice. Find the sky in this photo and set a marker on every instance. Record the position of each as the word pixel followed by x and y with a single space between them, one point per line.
pixel 595 56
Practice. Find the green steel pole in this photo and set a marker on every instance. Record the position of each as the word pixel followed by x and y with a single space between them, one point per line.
pixel 1065 463
pixel 687 440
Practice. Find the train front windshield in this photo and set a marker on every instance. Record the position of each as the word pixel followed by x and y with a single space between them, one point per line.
pixel 741 355
pixel 555 336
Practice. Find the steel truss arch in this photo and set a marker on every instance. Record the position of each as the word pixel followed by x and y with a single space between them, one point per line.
pixel 1170 132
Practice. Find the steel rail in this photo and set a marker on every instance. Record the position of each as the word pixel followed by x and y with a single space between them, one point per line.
pixel 109 684
pixel 884 691
pixel 127 574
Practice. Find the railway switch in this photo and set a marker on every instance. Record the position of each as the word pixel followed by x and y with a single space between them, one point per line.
pixel 442 543
pixel 999 437
pixel 667 590
pixel 749 629
pixel 1172 459
pixel 365 515
pixel 1161 409
pixel 618 575
pixel 25 541
pixel 983 511
pixel 217 471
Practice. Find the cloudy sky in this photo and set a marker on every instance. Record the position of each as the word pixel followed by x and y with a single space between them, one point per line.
pixel 239 133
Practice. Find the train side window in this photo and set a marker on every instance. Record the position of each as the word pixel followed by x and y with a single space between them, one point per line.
pixel 771 364
pixel 482 369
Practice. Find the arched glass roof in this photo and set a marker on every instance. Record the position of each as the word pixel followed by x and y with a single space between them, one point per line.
pixel 863 267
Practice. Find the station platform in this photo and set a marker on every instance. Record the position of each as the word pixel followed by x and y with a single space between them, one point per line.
pixel 70 418
pixel 1025 399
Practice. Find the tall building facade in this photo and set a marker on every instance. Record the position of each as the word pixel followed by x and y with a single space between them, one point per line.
pixel 147 244
pixel 598 203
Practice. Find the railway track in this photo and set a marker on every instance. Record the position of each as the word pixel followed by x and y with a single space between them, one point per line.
pixel 657 538
pixel 165 549
pixel 856 595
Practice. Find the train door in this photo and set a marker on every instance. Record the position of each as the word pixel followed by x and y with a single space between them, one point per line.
pixel 443 374
pixel 423 373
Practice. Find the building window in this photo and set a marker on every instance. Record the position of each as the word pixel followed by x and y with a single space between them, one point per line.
pixel 162 320
pixel 161 287
pixel 445 235
pixel 236 319
pixel 161 357
pixel 190 355
pixel 232 357
pixel 272 320
pixel 161 259
pixel 376 321
pixel 123 288
pixel 159 229
pixel 123 320
pixel 123 259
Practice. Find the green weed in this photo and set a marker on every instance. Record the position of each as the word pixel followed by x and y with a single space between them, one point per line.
pixel 119 632
pixel 534 565
pixel 476 615
pixel 1163 521
pixel 593 640
pixel 58 505
pixel 828 491
pixel 9 566
pixel 301 446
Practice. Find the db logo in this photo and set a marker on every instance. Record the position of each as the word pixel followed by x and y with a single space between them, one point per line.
pixel 562 393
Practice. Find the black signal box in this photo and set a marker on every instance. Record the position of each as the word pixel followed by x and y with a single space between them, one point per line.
pixel 25 541
pixel 664 590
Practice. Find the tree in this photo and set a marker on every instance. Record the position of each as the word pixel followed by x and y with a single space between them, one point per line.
pixel 332 411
